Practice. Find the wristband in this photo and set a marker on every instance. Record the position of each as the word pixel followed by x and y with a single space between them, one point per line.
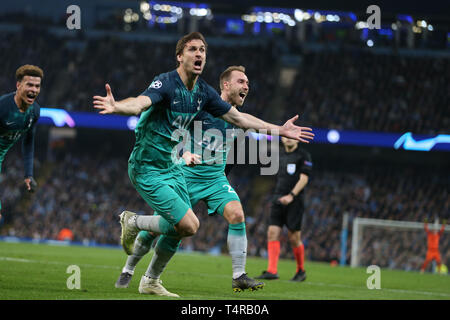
pixel 292 194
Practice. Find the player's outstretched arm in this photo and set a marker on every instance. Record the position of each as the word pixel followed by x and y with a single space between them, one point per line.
pixel 288 130
pixel 129 106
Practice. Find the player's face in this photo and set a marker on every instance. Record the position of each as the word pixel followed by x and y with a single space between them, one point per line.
pixel 193 58
pixel 237 88
pixel 289 143
pixel 28 89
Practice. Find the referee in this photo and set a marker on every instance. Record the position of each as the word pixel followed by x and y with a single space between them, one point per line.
pixel 287 207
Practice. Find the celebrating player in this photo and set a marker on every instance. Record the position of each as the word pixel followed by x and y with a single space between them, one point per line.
pixel 171 102
pixel 207 182
pixel 433 246
pixel 19 113
pixel 288 207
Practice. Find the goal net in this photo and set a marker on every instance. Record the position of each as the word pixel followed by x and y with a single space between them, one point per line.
pixel 395 244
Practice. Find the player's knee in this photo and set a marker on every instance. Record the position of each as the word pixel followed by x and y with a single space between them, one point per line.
pixel 189 228
pixel 237 216
pixel 234 213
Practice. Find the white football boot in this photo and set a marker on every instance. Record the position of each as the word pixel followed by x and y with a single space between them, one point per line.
pixel 129 231
pixel 154 286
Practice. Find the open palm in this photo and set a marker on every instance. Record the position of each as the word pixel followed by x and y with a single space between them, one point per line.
pixel 107 104
pixel 302 134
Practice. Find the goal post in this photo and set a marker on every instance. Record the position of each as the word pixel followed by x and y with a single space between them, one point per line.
pixel 377 239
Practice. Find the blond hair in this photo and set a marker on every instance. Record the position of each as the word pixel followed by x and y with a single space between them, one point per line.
pixel 225 76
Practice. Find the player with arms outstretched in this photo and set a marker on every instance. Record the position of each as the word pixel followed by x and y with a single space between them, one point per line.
pixel 19 113
pixel 207 182
pixel 170 103
pixel 433 246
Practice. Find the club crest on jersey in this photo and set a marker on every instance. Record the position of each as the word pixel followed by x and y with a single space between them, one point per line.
pixel 291 168
pixel 155 84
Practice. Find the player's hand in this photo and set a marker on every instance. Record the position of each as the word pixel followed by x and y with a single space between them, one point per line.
pixel 30 184
pixel 285 200
pixel 107 104
pixel 191 159
pixel 290 130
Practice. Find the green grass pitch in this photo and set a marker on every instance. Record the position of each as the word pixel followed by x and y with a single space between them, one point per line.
pixel 39 272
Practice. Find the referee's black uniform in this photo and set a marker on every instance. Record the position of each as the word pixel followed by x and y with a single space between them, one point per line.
pixel 292 164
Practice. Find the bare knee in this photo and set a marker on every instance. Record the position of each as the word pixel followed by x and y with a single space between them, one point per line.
pixel 188 226
pixel 273 233
pixel 294 238
pixel 233 212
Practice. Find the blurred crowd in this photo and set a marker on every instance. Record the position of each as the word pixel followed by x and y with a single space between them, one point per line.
pixel 77 69
pixel 360 90
pixel 351 89
pixel 85 193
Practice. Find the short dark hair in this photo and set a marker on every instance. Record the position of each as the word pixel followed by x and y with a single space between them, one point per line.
pixel 29 70
pixel 185 39
pixel 225 76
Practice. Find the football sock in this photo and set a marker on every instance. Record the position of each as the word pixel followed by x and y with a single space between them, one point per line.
pixel 299 254
pixel 164 250
pixel 142 246
pixel 237 246
pixel 156 224
pixel 273 250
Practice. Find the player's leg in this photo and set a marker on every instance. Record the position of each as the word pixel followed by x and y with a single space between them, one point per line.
pixel 428 259
pixel 437 258
pixel 167 246
pixel 237 246
pixel 142 246
pixel 166 193
pixel 165 249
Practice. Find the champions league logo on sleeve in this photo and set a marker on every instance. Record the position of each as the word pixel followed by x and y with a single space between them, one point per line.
pixel 155 84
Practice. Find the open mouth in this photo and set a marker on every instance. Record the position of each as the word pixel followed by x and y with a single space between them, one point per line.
pixel 31 96
pixel 242 95
pixel 198 64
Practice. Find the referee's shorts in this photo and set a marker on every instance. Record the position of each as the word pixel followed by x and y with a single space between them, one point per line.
pixel 290 215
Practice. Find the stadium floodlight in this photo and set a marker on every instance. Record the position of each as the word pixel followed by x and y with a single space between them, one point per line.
pixel 145 6
pixel 298 15
pixel 391 243
pixel 369 43
pixel 430 27
pixel 361 25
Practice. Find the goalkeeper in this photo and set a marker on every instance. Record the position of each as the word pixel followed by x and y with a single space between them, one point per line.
pixel 433 246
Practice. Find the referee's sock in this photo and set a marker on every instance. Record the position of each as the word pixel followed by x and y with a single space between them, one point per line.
pixel 273 250
pixel 299 254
